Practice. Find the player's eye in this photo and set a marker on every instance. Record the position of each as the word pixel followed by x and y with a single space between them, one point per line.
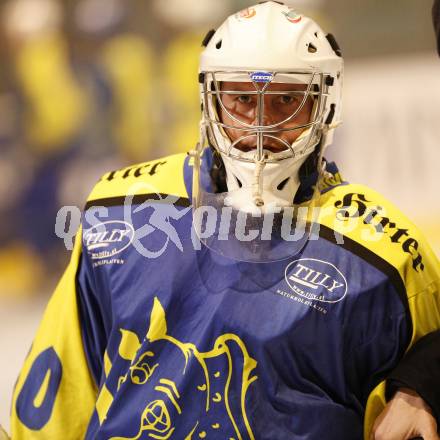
pixel 288 99
pixel 244 99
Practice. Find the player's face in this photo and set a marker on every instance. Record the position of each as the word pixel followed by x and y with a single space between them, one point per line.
pixel 277 108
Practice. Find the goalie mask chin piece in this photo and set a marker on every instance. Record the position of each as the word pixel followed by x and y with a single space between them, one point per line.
pixel 248 232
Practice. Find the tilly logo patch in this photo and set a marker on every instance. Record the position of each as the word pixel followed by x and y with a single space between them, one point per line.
pixel 316 280
pixel 107 239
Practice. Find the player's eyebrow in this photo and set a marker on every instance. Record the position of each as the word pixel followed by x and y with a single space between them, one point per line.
pixel 239 86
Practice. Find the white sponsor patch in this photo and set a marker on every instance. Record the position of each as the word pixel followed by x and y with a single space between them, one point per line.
pixel 316 280
pixel 107 239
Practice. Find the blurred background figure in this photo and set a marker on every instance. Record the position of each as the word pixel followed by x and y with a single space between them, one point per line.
pixel 117 69
pixel 188 24
pixel 49 109
pixel 87 86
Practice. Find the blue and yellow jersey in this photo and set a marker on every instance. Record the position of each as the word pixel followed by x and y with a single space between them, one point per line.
pixel 149 336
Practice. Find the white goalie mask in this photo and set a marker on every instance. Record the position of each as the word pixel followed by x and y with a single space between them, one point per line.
pixel 270 87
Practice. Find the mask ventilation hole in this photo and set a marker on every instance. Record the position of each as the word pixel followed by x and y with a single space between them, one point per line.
pixel 331 114
pixel 238 181
pixel 208 37
pixel 281 186
pixel 219 44
pixel 333 43
pixel 312 48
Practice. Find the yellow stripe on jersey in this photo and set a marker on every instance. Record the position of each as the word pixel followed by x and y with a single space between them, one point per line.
pixel 55 375
pixel 364 216
pixel 107 364
pixel 162 176
pixel 103 403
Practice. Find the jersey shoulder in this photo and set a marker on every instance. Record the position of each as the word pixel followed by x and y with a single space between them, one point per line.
pixel 155 177
pixel 366 218
pixel 350 201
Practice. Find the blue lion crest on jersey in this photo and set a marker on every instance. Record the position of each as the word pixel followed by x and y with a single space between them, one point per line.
pixel 194 394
